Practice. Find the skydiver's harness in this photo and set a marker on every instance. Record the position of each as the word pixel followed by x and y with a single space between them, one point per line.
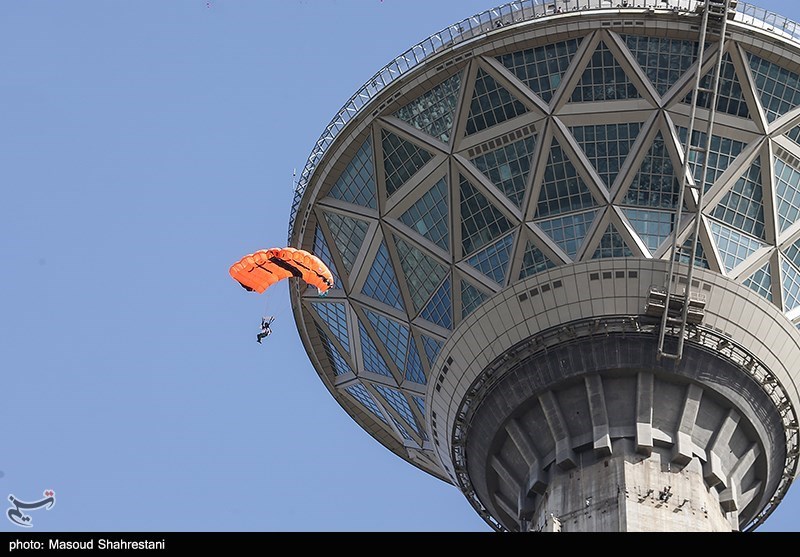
pixel 265 328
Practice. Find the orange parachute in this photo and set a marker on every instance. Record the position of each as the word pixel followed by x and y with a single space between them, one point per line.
pixel 260 270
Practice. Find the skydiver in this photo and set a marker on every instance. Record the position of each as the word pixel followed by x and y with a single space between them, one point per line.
pixel 265 328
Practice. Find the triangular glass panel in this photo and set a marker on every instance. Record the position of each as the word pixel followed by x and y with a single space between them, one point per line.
pixel 778 88
pixel 563 190
pixel 357 182
pixel 413 370
pixel 569 231
pixel 663 60
pixel 348 235
pixel 508 167
pixel 381 283
pixel 787 190
pixel 534 261
pixel 338 363
pixel 791 285
pixel 429 215
pixel 793 253
pixel 734 247
pixel 432 348
pixel 722 152
pixel 730 99
pixel 398 401
pixel 360 393
pixel 491 104
pixel 373 361
pixel 606 146
pixel 612 245
pixel 541 68
pixel 401 160
pixel 422 273
pixel 685 252
pixel 493 260
pixel 742 207
pixel 420 402
pixel 481 222
pixel 761 282
pixel 439 309
pixel 794 134
pixel 471 298
pixel 333 314
pixel 432 112
pixel 604 79
pixel 392 334
pixel 322 251
pixel 653 227
pixel 655 185
pixel 402 429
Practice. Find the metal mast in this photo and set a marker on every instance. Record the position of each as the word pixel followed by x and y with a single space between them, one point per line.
pixel 683 308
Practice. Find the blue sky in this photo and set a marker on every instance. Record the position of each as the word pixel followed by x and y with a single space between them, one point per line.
pixel 145 146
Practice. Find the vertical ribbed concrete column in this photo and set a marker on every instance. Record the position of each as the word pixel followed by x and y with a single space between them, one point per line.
pixel 535 482
pixel 565 458
pixel 644 413
pixel 597 406
pixel 682 451
pixel 713 470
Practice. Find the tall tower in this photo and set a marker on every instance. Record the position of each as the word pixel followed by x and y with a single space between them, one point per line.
pixel 566 242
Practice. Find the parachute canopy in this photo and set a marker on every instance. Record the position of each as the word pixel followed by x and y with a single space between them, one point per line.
pixel 260 270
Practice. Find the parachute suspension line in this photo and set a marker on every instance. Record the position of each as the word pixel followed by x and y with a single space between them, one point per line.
pixel 718 10
pixel 266 305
